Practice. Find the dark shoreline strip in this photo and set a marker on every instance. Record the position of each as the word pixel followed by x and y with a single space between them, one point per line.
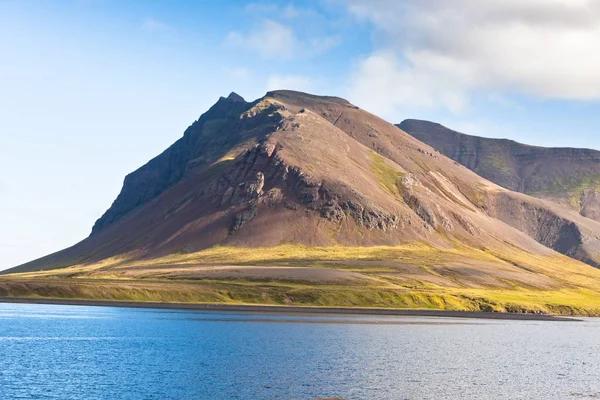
pixel 291 309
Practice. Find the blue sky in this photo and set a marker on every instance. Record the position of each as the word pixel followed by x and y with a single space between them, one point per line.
pixel 92 89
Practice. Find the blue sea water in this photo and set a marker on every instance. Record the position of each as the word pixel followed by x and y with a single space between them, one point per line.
pixel 78 352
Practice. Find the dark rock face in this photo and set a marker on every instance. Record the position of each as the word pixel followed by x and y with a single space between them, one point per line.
pixel 202 144
pixel 241 219
pixel 261 167
pixel 540 223
pixel 568 176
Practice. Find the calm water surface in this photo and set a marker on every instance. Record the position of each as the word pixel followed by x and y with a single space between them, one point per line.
pixel 77 352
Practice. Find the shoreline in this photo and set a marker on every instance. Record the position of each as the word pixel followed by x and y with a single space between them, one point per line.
pixel 257 308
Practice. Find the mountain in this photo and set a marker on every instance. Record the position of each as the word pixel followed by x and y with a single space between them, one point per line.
pixel 294 187
pixel 567 176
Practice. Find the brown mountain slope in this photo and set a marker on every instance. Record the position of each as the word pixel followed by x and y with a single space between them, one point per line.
pixel 318 171
pixel 567 176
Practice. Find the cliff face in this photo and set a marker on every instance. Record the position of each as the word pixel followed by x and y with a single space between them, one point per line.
pixel 567 176
pixel 202 143
pixel 296 168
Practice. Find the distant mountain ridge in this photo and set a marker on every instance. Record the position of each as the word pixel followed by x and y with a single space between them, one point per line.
pixel 567 176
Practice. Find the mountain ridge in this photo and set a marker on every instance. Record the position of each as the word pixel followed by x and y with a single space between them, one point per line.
pixel 567 176
pixel 337 174
pixel 308 200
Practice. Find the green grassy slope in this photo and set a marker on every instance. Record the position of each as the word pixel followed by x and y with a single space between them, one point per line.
pixel 410 276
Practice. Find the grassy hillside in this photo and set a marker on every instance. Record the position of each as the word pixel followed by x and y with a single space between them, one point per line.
pixel 409 276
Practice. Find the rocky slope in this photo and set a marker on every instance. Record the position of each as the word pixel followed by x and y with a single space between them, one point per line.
pixel 567 176
pixel 318 171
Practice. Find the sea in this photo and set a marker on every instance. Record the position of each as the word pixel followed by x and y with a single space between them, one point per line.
pixel 84 352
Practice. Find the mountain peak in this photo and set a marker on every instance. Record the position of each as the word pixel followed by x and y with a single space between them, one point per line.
pixel 233 96
pixel 265 173
pixel 296 97
pixel 418 121
pixel 411 124
pixel 295 169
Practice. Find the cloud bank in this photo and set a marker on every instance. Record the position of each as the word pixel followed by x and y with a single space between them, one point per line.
pixel 284 32
pixel 438 53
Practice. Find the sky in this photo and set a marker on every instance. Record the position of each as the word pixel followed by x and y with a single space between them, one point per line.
pixel 90 90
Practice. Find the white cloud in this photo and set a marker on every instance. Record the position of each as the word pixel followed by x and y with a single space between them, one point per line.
pixel 238 73
pixel 271 40
pixel 383 84
pixel 289 82
pixel 260 8
pixel 323 44
pixel 288 11
pixel 285 32
pixel 438 52
pixel 151 24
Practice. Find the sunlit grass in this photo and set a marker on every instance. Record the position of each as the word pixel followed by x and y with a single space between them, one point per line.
pixel 388 177
pixel 577 285
pixel 568 302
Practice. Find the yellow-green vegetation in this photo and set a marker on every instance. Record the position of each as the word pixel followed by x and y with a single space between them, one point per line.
pixel 388 177
pixel 495 163
pixel 476 195
pixel 590 182
pixel 563 302
pixel 409 276
pixel 571 187
pixel 228 157
pixel 300 255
